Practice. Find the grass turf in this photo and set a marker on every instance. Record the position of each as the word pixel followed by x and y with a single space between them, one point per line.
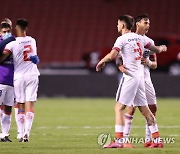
pixel 66 126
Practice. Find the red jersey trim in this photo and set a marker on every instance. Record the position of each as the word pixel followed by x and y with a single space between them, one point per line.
pixel 147 45
pixel 116 48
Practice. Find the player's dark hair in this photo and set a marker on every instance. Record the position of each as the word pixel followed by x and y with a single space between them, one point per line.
pixel 23 23
pixel 129 21
pixel 140 17
pixel 5 25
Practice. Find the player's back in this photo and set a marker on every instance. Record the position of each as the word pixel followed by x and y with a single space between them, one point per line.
pixel 131 50
pixel 22 49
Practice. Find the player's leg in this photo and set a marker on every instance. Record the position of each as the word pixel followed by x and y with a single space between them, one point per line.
pixel 124 97
pixel 21 121
pixel 29 119
pixel 119 120
pixel 151 100
pixel 6 123
pixel 31 97
pixel 6 117
pixel 128 121
pixel 20 100
pixel 16 113
pixel 141 102
pixel 2 96
pixel 153 127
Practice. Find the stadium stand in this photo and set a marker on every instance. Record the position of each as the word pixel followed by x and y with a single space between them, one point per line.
pixel 65 29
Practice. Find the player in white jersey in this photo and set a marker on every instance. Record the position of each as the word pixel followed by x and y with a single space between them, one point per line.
pixel 131 91
pixel 142 27
pixel 25 77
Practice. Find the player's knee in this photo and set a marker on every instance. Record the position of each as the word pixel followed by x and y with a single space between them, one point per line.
pixel 130 110
pixel 119 107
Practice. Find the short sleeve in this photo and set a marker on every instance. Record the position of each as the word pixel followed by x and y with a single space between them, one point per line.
pixel 147 42
pixel 118 44
pixel 9 47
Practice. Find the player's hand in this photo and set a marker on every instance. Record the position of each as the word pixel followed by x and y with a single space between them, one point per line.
pixel 35 59
pixel 99 66
pixel 123 69
pixel 162 48
pixel 144 61
pixel 146 53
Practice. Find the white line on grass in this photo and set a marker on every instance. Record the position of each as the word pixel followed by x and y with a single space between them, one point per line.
pixel 98 127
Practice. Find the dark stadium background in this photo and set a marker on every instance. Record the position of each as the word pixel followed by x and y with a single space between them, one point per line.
pixel 65 30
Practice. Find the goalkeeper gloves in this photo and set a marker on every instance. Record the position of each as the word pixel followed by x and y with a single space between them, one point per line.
pixel 35 59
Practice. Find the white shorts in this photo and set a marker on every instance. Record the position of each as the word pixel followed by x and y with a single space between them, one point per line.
pixel 150 93
pixel 131 91
pixel 26 89
pixel 6 95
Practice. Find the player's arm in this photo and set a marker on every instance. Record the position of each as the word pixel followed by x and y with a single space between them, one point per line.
pixel 156 49
pixel 151 61
pixel 6 41
pixel 4 55
pixel 34 58
pixel 109 57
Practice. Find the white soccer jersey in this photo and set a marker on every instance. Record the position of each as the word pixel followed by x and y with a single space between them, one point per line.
pixel 131 47
pixel 22 49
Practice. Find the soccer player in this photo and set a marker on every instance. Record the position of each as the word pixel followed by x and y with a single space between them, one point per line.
pixel 149 61
pixel 26 74
pixel 6 84
pixel 8 21
pixel 131 91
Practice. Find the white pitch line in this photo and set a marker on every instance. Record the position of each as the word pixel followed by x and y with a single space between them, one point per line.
pixel 94 127
pixel 97 127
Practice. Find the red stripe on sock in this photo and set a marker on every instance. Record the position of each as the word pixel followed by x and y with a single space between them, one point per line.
pixel 155 135
pixel 119 134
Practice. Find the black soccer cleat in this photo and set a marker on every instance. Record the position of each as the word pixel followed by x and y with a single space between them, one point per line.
pixel 26 138
pixel 6 139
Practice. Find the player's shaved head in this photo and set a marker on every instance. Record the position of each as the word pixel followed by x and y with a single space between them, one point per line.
pixel 22 23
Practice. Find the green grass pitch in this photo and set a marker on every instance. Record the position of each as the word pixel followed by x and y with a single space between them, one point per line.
pixel 65 126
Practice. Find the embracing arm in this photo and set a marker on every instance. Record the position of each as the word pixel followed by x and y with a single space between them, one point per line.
pixel 109 57
pixel 4 42
pixel 157 49
pixel 4 55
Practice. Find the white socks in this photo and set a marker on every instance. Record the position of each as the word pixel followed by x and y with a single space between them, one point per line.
pixel 128 125
pixel 6 124
pixel 20 125
pixel 28 122
pixel 148 136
